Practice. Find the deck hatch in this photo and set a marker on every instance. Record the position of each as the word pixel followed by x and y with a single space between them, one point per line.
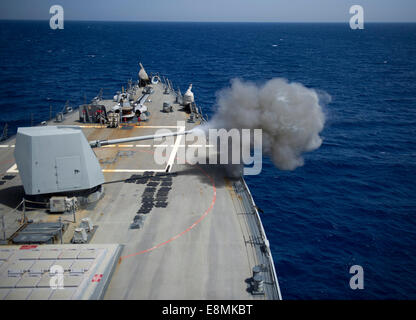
pixel 68 171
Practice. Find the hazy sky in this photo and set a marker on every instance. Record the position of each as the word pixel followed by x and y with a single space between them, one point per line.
pixel 212 10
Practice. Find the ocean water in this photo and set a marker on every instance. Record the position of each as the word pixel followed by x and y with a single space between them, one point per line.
pixel 354 200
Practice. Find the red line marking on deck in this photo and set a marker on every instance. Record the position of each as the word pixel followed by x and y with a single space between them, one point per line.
pixel 28 247
pixel 214 198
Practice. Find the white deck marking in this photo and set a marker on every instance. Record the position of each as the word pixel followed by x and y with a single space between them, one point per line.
pixel 172 156
pixel 4 145
pixel 175 149
pixel 13 169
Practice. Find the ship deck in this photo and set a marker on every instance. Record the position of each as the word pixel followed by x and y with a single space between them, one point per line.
pixel 203 245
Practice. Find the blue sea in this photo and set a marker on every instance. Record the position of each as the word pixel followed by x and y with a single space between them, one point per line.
pixel 354 200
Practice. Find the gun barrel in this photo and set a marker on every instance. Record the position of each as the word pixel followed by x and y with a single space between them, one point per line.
pixel 99 143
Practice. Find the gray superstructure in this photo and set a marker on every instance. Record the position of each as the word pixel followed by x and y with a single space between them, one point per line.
pixel 173 231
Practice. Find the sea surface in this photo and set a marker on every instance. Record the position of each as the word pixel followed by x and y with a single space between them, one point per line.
pixel 354 200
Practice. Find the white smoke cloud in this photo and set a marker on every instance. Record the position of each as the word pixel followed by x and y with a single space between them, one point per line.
pixel 289 114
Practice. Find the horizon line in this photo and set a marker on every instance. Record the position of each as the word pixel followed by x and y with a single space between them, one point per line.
pixel 204 21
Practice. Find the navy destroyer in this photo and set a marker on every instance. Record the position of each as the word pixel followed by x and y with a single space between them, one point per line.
pixel 87 213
